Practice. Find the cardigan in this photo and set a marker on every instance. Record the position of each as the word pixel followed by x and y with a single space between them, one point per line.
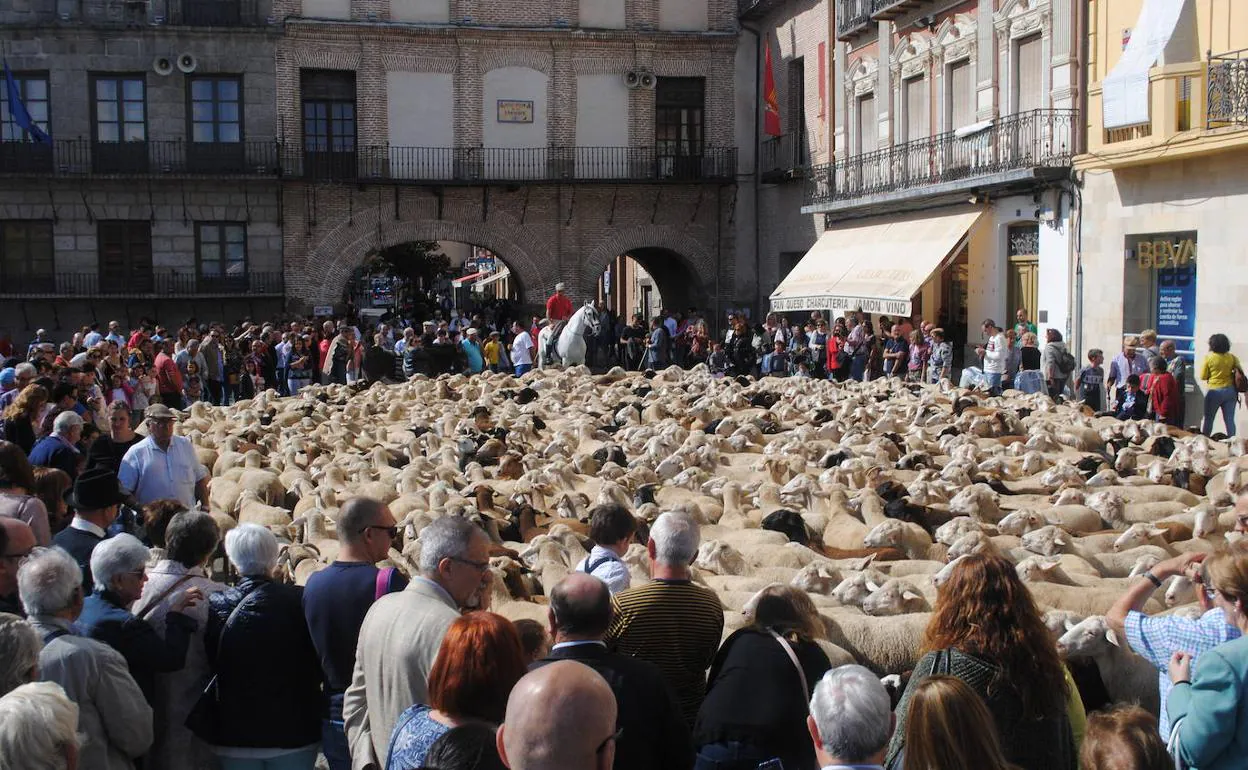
pixel 1214 731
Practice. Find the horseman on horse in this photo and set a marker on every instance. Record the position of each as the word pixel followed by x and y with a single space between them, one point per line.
pixel 553 344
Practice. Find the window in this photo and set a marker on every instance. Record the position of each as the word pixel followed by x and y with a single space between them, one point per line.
pixel 680 110
pixel 1159 287
pixel 1029 75
pixel 868 128
pixel 961 109
pixel 216 114
pixel 26 262
pixel 915 90
pixel 18 150
pixel 221 251
pixel 33 91
pixel 797 110
pixel 119 124
pixel 216 121
pixel 126 256
pixel 329 123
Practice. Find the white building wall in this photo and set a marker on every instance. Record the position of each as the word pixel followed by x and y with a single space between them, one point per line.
pixel 683 15
pixel 1056 276
pixel 601 123
pixel 327 9
pixel 427 11
pixel 515 84
pixel 602 14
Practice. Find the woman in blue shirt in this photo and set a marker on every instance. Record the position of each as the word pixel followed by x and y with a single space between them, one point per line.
pixel 1209 710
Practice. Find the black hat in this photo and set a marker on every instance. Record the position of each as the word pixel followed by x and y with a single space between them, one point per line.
pixel 96 489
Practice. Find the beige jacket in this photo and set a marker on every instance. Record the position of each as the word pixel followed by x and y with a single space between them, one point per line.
pixel 398 643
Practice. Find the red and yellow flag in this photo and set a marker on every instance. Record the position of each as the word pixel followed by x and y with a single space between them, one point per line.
pixel 771 103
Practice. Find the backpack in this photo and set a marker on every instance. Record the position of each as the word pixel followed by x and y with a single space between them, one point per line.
pixel 1065 361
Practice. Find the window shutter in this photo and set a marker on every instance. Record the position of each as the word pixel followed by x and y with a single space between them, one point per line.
pixel 1030 67
pixel 868 130
pixel 916 109
pixel 961 95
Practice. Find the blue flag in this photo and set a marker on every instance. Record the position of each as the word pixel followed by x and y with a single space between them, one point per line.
pixel 19 112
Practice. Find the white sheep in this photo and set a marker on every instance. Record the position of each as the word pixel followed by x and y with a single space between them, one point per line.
pixel 1128 677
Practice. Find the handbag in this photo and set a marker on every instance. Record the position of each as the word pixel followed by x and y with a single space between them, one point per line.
pixel 143 613
pixel 801 672
pixel 205 717
pixel 1241 382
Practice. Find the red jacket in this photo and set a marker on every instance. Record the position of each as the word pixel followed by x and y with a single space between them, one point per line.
pixel 558 307
pixel 168 378
pixel 1163 389
pixel 834 348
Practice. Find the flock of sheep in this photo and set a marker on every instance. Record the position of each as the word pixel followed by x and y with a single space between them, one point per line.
pixel 862 494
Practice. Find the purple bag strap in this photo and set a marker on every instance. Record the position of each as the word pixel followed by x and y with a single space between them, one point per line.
pixel 383 582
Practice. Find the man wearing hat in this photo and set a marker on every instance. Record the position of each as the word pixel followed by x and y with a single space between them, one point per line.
pixel 8 380
pixel 559 307
pixel 472 351
pixel 96 500
pixel 59 449
pixel 163 466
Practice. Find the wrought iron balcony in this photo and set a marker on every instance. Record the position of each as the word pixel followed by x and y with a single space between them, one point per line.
pixel 783 157
pixel 481 165
pixel 1027 140
pixel 1226 100
pixel 144 13
pixel 156 283
pixel 754 9
pixel 84 157
pixel 891 9
pixel 852 17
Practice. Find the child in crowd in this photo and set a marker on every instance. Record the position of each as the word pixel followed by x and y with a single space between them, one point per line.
pixel 1133 404
pixel 1163 392
pixel 491 350
pixel 803 370
pixel 142 391
pixel 776 363
pixel 120 390
pixel 193 390
pixel 1090 383
pixel 717 361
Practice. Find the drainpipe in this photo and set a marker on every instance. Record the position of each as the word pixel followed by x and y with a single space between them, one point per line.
pixel 758 238
pixel 1076 187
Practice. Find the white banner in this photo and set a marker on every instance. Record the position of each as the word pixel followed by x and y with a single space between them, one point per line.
pixel 1124 92
pixel 870 305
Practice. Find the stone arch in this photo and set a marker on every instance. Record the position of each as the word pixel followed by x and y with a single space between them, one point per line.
pixel 682 266
pixel 345 248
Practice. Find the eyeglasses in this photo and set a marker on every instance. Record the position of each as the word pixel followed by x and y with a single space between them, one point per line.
pixel 481 566
pixel 393 532
pixel 615 736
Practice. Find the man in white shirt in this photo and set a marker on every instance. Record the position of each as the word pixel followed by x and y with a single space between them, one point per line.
pixel 163 465
pixel 93 336
pixel 114 335
pixel 850 720
pixel 996 355
pixel 612 528
pixel 521 349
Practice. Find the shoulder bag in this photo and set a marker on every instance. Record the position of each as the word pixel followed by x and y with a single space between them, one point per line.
pixel 801 672
pixel 143 613
pixel 1241 382
pixel 205 717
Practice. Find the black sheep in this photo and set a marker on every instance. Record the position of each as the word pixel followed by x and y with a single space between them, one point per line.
pixel 1163 446
pixel 788 522
pixel 611 453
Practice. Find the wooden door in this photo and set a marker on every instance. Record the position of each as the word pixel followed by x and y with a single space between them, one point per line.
pixel 1023 286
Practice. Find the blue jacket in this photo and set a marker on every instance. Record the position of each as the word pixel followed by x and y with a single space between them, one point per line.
pixel 52 452
pixel 1214 707
pixel 105 620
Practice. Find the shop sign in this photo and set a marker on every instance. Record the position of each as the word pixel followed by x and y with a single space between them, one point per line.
pixel 1163 253
pixel 1176 302
pixel 515 111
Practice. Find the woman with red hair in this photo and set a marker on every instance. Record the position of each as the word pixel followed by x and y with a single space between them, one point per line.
pixel 480 660
pixel 986 631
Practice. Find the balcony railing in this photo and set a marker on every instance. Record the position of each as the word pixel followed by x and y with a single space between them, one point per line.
pixel 158 283
pixel 476 165
pixel 83 157
pixel 1226 101
pixel 195 13
pixel 466 165
pixel 1035 139
pixel 753 9
pixel 783 157
pixel 852 17
pixel 891 9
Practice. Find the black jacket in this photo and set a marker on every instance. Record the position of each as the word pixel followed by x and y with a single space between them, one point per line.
pixel 268 673
pixel 105 620
pixel 20 431
pixel 655 736
pixel 79 544
pixel 754 696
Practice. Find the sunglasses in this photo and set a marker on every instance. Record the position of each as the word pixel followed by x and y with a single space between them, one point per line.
pixel 393 532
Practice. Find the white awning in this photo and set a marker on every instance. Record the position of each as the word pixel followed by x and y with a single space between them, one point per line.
pixel 500 275
pixel 877 266
pixel 460 282
pixel 1124 92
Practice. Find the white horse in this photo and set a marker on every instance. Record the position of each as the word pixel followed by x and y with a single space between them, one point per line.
pixel 571 347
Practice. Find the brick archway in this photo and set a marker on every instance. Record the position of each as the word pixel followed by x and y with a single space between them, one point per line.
pixel 340 251
pixel 682 267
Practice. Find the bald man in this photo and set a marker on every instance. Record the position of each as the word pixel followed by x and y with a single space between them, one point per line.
pixel 17 540
pixel 559 717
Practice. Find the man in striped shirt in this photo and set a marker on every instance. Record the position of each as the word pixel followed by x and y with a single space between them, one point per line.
pixel 671 622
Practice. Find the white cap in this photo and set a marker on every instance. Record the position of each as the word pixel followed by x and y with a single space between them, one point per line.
pixel 472 332
pixel 559 286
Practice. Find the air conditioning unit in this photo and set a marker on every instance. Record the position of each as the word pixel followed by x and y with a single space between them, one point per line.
pixel 632 79
pixel 162 65
pixel 187 63
pixel 648 81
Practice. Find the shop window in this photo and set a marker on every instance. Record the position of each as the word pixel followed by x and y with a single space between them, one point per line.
pixel 1159 287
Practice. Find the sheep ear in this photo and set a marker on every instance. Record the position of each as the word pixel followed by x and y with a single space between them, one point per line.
pixel 1111 637
pixel 1156 531
pixel 1070 624
pixel 1049 563
pixel 911 594
pixel 1059 539
pixel 871 586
